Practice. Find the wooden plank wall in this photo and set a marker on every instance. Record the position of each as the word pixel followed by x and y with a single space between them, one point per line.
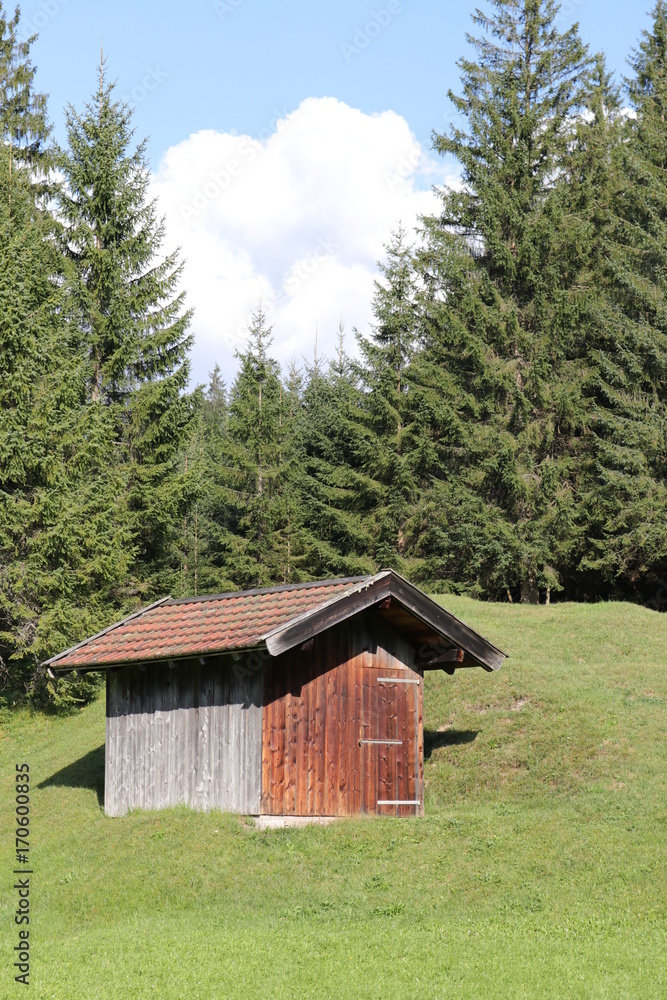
pixel 319 705
pixel 187 735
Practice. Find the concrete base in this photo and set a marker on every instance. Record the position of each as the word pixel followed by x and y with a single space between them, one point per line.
pixel 281 822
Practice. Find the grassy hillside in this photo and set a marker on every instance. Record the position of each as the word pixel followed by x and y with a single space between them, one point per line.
pixel 538 870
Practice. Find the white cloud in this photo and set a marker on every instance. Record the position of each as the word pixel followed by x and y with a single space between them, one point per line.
pixel 297 218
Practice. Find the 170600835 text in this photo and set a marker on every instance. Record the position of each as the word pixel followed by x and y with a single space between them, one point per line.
pixel 23 873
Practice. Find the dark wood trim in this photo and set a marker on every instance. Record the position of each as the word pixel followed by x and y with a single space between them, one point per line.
pixel 449 656
pixel 168 661
pixel 387 585
pixel 446 624
pixel 338 610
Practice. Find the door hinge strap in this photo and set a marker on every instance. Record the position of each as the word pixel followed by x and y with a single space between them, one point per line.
pixel 399 802
pixel 397 680
pixel 397 743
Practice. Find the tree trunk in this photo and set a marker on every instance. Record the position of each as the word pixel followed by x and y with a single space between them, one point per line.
pixel 530 593
pixel 196 540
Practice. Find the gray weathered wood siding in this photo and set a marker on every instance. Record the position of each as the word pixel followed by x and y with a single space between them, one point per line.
pixel 190 734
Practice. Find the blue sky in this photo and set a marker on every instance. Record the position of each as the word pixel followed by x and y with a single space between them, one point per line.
pixel 219 70
pixel 232 66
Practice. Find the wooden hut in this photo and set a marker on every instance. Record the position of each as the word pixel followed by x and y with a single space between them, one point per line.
pixel 301 700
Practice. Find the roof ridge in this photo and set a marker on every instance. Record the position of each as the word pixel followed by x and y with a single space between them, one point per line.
pixel 360 583
pixel 283 588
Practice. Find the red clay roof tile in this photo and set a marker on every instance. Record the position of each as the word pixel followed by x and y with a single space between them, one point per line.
pixel 196 626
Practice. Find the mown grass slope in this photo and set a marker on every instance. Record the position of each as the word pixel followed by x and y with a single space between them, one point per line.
pixel 538 870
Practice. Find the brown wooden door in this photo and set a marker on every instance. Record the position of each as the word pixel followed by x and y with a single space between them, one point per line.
pixel 390 743
pixel 343 740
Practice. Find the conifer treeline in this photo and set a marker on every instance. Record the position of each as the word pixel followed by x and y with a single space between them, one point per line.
pixel 502 430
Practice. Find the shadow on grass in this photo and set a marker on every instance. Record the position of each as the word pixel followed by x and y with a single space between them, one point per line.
pixel 87 772
pixel 434 739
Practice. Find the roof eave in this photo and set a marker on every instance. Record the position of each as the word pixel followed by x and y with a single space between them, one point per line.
pixel 148 661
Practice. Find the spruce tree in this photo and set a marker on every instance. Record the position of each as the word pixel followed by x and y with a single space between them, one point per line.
pixel 334 446
pixel 63 548
pixel 208 523
pixel 24 126
pixel 292 537
pixel 626 388
pixel 135 325
pixel 460 535
pixel 497 306
pixel 384 372
pixel 207 544
pixel 255 460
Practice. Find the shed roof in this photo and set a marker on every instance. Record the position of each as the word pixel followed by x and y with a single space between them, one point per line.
pixel 276 619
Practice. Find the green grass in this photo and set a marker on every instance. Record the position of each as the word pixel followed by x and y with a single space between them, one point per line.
pixel 538 870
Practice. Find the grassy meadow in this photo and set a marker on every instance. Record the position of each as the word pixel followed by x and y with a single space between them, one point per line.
pixel 538 870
